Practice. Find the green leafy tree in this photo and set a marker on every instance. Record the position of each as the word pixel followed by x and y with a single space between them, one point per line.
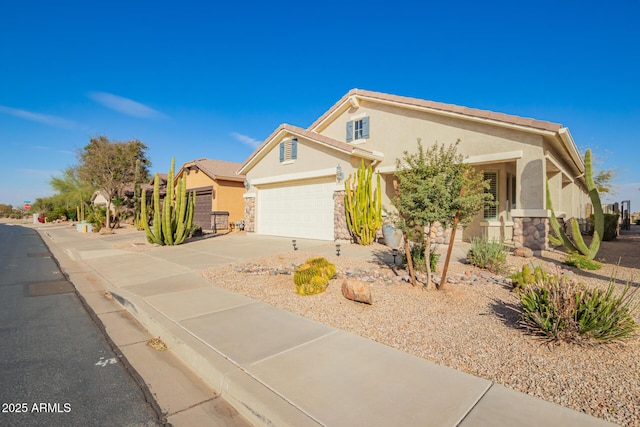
pixel 430 186
pixel 71 191
pixel 111 166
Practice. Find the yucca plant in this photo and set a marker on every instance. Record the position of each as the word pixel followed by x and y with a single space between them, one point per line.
pixel 559 309
pixel 603 316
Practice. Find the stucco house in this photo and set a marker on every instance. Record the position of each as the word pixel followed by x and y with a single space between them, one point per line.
pixel 218 189
pixel 295 178
pixel 100 198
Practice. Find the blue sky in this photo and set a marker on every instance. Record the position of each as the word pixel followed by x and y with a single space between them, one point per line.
pixel 211 79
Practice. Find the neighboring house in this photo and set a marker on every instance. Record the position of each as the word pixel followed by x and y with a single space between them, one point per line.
pixel 148 188
pixel 218 189
pixel 295 178
pixel 100 198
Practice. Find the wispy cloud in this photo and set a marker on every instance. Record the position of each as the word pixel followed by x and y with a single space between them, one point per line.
pixel 251 142
pixel 125 106
pixel 40 118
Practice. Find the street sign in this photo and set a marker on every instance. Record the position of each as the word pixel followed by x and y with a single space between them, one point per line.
pixel 27 205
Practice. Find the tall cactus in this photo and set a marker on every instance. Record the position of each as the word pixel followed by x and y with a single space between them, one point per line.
pixel 172 223
pixel 578 244
pixel 363 205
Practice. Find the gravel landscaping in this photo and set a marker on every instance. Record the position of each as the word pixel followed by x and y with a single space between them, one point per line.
pixel 472 325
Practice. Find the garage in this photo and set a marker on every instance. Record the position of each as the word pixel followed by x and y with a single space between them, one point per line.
pixel 303 211
pixel 202 209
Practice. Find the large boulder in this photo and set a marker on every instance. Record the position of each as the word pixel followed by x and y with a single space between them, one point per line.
pixel 357 290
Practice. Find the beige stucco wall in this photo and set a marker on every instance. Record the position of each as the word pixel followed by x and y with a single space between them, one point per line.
pixel 311 156
pixel 394 130
pixel 228 197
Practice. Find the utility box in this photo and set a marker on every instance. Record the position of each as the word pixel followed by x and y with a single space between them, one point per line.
pixel 219 220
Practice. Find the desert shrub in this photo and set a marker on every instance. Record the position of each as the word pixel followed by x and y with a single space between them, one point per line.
pixel 561 310
pixel 582 262
pixel 610 226
pixel 490 255
pixel 529 275
pixel 417 256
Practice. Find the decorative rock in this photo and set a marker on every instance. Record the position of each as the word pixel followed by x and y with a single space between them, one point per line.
pixel 523 252
pixel 356 290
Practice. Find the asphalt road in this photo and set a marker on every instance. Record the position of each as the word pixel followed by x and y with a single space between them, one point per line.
pixel 57 368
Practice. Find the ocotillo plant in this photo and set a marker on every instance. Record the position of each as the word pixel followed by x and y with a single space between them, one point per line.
pixel 363 205
pixel 172 222
pixel 578 245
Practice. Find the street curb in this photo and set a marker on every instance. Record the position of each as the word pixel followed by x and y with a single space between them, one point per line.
pixel 255 401
pixel 148 396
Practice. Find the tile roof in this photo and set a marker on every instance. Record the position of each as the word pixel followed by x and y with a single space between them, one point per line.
pixel 218 168
pixel 439 106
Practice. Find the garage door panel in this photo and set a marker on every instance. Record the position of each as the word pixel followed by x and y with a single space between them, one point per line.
pixel 304 211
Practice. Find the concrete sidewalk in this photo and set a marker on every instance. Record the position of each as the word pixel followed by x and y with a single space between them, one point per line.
pixel 277 368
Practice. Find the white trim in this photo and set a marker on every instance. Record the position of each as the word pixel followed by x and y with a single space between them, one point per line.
pixel 494 157
pixel 358 116
pixel 369 155
pixel 488 121
pixel 249 195
pixel 287 162
pixel 570 145
pixel 557 164
pixel 294 176
pixel 531 213
pixel 353 100
pixel 495 223
pixel 387 169
pixel 485 158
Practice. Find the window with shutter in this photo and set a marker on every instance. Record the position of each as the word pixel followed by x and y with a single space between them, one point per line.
pixel 491 211
pixel 288 150
pixel 358 129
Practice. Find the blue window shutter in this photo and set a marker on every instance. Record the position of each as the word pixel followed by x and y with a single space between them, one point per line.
pixel 349 131
pixel 282 152
pixel 294 149
pixel 365 127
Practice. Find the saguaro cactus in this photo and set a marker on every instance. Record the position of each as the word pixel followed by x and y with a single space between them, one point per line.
pixel 363 205
pixel 172 222
pixel 577 244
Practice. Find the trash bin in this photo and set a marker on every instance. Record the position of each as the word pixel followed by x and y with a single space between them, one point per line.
pixel 219 220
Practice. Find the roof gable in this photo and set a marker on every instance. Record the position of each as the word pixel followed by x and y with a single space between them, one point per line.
pixel 353 97
pixel 214 169
pixel 285 130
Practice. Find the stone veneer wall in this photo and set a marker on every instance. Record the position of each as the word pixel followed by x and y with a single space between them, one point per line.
pixel 531 233
pixel 439 234
pixel 340 229
pixel 250 214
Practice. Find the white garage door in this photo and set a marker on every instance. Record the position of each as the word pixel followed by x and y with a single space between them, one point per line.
pixel 304 211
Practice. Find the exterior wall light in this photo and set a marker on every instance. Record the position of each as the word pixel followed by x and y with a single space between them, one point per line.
pixel 247 185
pixel 295 248
pixel 338 249
pixel 339 174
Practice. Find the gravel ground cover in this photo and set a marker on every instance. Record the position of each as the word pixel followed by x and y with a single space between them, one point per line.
pixel 472 325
